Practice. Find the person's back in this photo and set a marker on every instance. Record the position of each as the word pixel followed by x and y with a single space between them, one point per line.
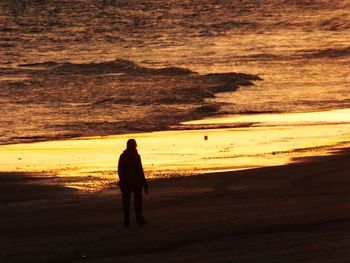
pixel 131 181
pixel 130 169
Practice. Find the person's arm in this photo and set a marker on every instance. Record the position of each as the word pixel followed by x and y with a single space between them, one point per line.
pixel 142 174
pixel 121 169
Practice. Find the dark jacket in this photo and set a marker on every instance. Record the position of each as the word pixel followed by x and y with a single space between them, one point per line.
pixel 130 170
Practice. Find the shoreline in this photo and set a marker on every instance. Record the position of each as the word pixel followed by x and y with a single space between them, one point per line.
pixel 295 212
pixel 276 140
pixel 212 120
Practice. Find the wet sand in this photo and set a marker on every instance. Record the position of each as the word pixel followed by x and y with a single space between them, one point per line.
pixel 292 213
pixel 200 146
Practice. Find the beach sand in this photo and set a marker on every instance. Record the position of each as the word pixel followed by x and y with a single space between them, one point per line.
pixel 293 213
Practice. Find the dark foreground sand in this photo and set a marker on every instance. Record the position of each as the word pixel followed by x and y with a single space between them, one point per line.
pixel 293 213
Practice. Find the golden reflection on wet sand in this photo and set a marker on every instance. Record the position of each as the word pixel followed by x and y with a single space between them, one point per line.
pixel 323 117
pixel 277 139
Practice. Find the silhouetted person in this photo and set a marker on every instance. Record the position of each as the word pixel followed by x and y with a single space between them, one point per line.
pixel 131 182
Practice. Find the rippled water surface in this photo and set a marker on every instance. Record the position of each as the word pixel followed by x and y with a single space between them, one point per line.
pixel 57 76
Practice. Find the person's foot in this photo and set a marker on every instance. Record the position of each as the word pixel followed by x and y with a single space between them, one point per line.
pixel 142 222
pixel 126 224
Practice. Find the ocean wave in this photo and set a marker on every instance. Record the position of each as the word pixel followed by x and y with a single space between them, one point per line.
pixel 219 28
pixel 327 53
pixel 248 112
pixel 47 64
pixel 110 97
pixel 108 101
pixel 338 23
pixel 116 66
pixel 302 54
pixel 232 76
pixel 262 57
pixel 41 138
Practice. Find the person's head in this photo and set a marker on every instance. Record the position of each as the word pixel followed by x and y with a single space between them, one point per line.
pixel 131 144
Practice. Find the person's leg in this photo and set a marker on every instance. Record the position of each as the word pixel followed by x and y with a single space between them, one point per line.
pixel 126 196
pixel 138 206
